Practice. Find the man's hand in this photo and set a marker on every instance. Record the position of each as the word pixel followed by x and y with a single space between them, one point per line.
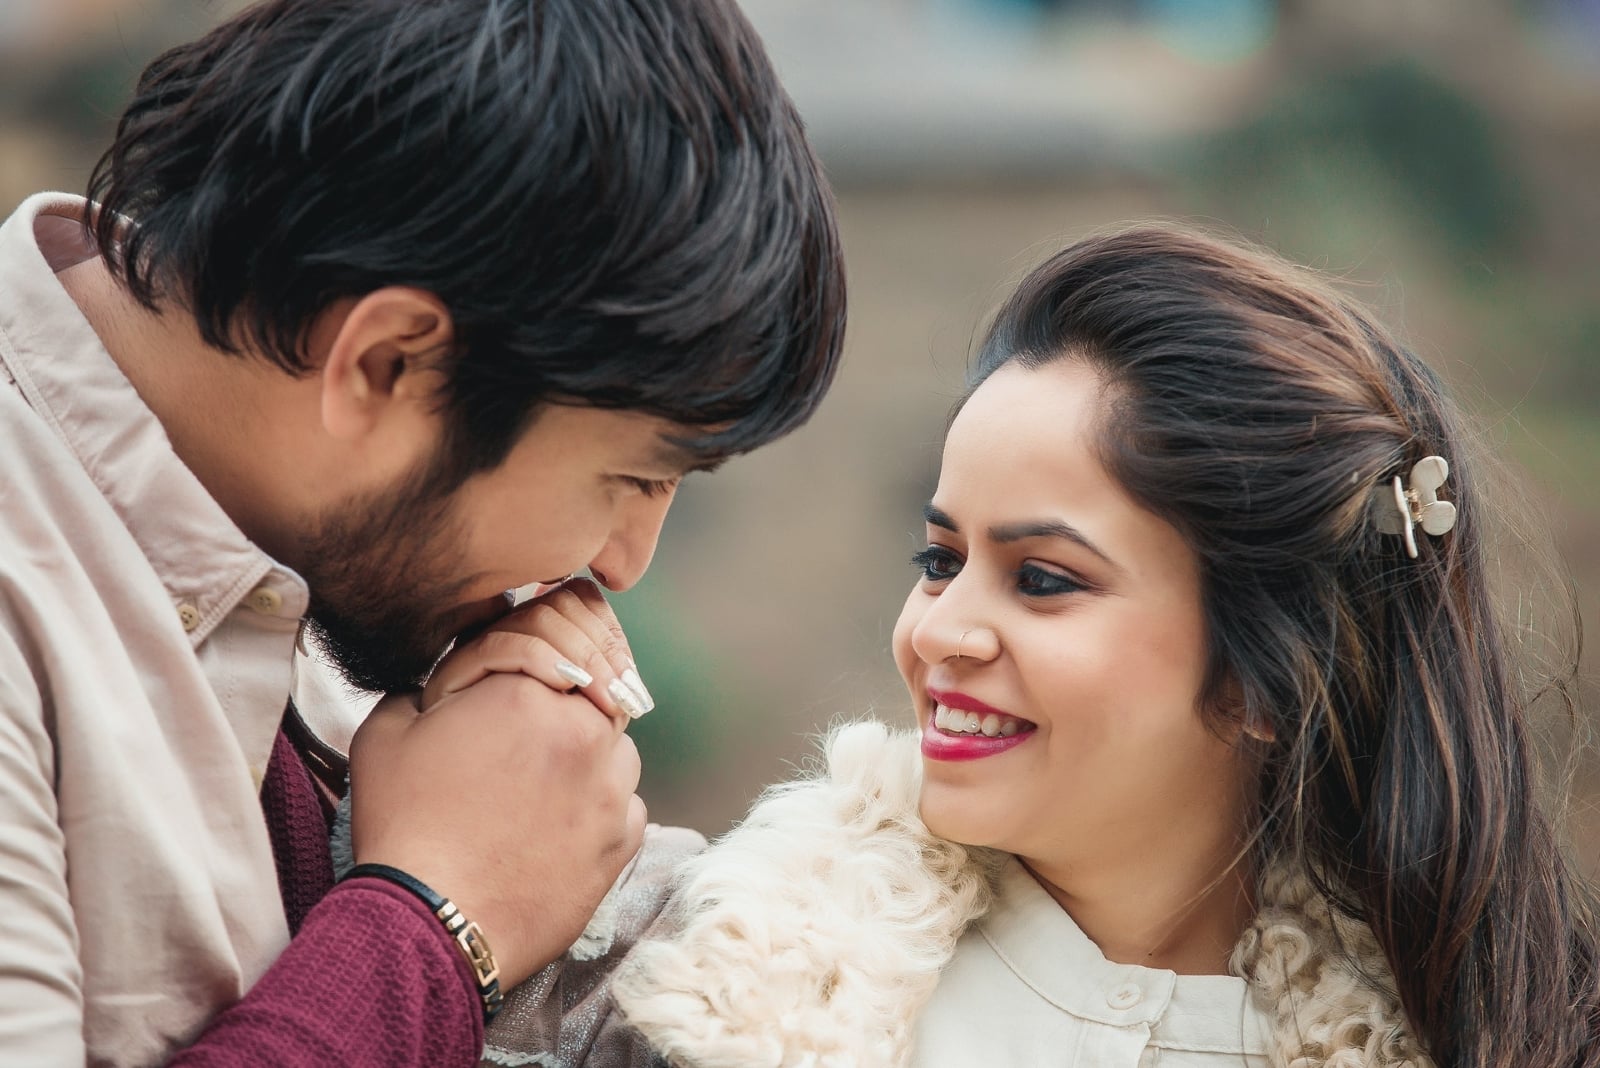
pixel 513 793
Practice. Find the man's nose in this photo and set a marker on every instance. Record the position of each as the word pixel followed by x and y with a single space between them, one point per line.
pixel 627 553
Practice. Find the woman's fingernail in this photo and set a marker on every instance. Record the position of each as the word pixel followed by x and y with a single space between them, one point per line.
pixel 631 677
pixel 573 673
pixel 626 699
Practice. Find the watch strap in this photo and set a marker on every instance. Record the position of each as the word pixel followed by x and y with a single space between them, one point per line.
pixel 467 935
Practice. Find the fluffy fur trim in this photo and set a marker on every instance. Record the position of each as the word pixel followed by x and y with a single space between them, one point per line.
pixel 813 932
pixel 1325 982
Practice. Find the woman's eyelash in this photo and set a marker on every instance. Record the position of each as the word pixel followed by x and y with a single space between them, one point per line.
pixel 1035 581
pixel 939 564
pixel 930 559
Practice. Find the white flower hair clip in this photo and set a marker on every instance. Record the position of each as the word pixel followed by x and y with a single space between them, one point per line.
pixel 1401 508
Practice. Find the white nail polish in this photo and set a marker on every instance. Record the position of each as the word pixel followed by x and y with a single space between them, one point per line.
pixel 573 673
pixel 631 677
pixel 626 699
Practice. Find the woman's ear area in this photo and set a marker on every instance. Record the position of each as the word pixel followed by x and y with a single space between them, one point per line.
pixel 380 358
pixel 1235 719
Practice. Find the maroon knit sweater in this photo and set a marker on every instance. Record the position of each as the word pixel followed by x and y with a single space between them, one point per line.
pixel 370 977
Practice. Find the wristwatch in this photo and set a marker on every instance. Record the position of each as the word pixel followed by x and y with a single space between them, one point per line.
pixel 466 934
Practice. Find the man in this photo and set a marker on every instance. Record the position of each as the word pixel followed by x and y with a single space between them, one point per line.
pixel 377 309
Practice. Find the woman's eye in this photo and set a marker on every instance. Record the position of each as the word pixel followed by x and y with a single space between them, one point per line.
pixel 938 564
pixel 652 487
pixel 1036 581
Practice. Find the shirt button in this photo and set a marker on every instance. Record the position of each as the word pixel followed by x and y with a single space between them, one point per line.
pixel 1125 996
pixel 266 600
pixel 189 616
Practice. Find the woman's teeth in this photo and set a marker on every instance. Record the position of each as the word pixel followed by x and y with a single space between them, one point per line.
pixel 954 721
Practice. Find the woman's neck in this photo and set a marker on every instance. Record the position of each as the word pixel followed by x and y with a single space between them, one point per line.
pixel 1165 913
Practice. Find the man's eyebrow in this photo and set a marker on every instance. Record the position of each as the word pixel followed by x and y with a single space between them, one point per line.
pixel 677 458
pixel 1010 532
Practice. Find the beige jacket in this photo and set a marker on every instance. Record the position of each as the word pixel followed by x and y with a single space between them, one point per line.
pixel 147 651
pixel 820 933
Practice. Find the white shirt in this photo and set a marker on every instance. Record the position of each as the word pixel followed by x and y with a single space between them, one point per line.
pixel 1028 989
pixel 147 651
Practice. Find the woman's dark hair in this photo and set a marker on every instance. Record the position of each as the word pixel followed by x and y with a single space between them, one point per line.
pixel 614 199
pixel 1258 411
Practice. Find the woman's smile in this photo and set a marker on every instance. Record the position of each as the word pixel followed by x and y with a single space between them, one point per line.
pixel 961 727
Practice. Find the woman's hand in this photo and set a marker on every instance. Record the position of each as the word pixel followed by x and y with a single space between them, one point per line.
pixel 568 638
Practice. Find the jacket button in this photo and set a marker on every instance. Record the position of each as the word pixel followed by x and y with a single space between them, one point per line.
pixel 1125 996
pixel 266 600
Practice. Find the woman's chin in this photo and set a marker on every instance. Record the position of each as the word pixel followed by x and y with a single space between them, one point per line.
pixel 950 819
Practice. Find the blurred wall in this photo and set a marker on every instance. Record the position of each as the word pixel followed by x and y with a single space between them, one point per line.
pixel 1442 158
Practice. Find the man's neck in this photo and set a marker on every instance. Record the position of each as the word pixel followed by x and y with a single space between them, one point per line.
pixel 208 403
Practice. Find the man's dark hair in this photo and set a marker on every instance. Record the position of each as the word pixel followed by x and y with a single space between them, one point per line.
pixel 614 198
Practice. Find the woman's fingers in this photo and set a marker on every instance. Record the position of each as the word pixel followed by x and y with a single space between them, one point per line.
pixel 568 639
pixel 509 652
pixel 601 682
pixel 581 601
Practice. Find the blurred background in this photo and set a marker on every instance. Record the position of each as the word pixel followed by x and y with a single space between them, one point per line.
pixel 1440 157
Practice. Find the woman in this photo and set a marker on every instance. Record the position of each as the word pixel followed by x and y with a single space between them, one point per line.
pixel 1221 758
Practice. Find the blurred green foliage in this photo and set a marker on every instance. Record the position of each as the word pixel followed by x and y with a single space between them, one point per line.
pixel 686 732
pixel 1392 132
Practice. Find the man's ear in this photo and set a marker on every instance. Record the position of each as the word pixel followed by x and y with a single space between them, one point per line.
pixel 379 363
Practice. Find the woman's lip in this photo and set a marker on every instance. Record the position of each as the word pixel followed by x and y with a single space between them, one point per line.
pixel 964 703
pixel 937 745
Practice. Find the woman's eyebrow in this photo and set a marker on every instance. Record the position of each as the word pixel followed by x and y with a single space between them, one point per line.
pixel 1045 528
pixel 937 518
pixel 1030 528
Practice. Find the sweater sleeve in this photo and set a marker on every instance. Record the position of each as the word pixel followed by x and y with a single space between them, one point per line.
pixel 372 978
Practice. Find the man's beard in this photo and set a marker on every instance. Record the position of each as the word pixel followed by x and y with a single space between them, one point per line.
pixel 381 591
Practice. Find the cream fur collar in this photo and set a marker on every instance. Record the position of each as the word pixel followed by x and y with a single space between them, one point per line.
pixel 809 936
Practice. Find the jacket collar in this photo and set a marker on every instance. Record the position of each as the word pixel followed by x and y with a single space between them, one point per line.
pixel 58 362
pixel 1042 945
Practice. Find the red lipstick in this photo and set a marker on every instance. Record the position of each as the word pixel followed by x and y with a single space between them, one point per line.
pixel 939 745
pixel 963 703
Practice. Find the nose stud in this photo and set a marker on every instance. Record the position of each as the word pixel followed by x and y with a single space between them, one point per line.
pixel 960 640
